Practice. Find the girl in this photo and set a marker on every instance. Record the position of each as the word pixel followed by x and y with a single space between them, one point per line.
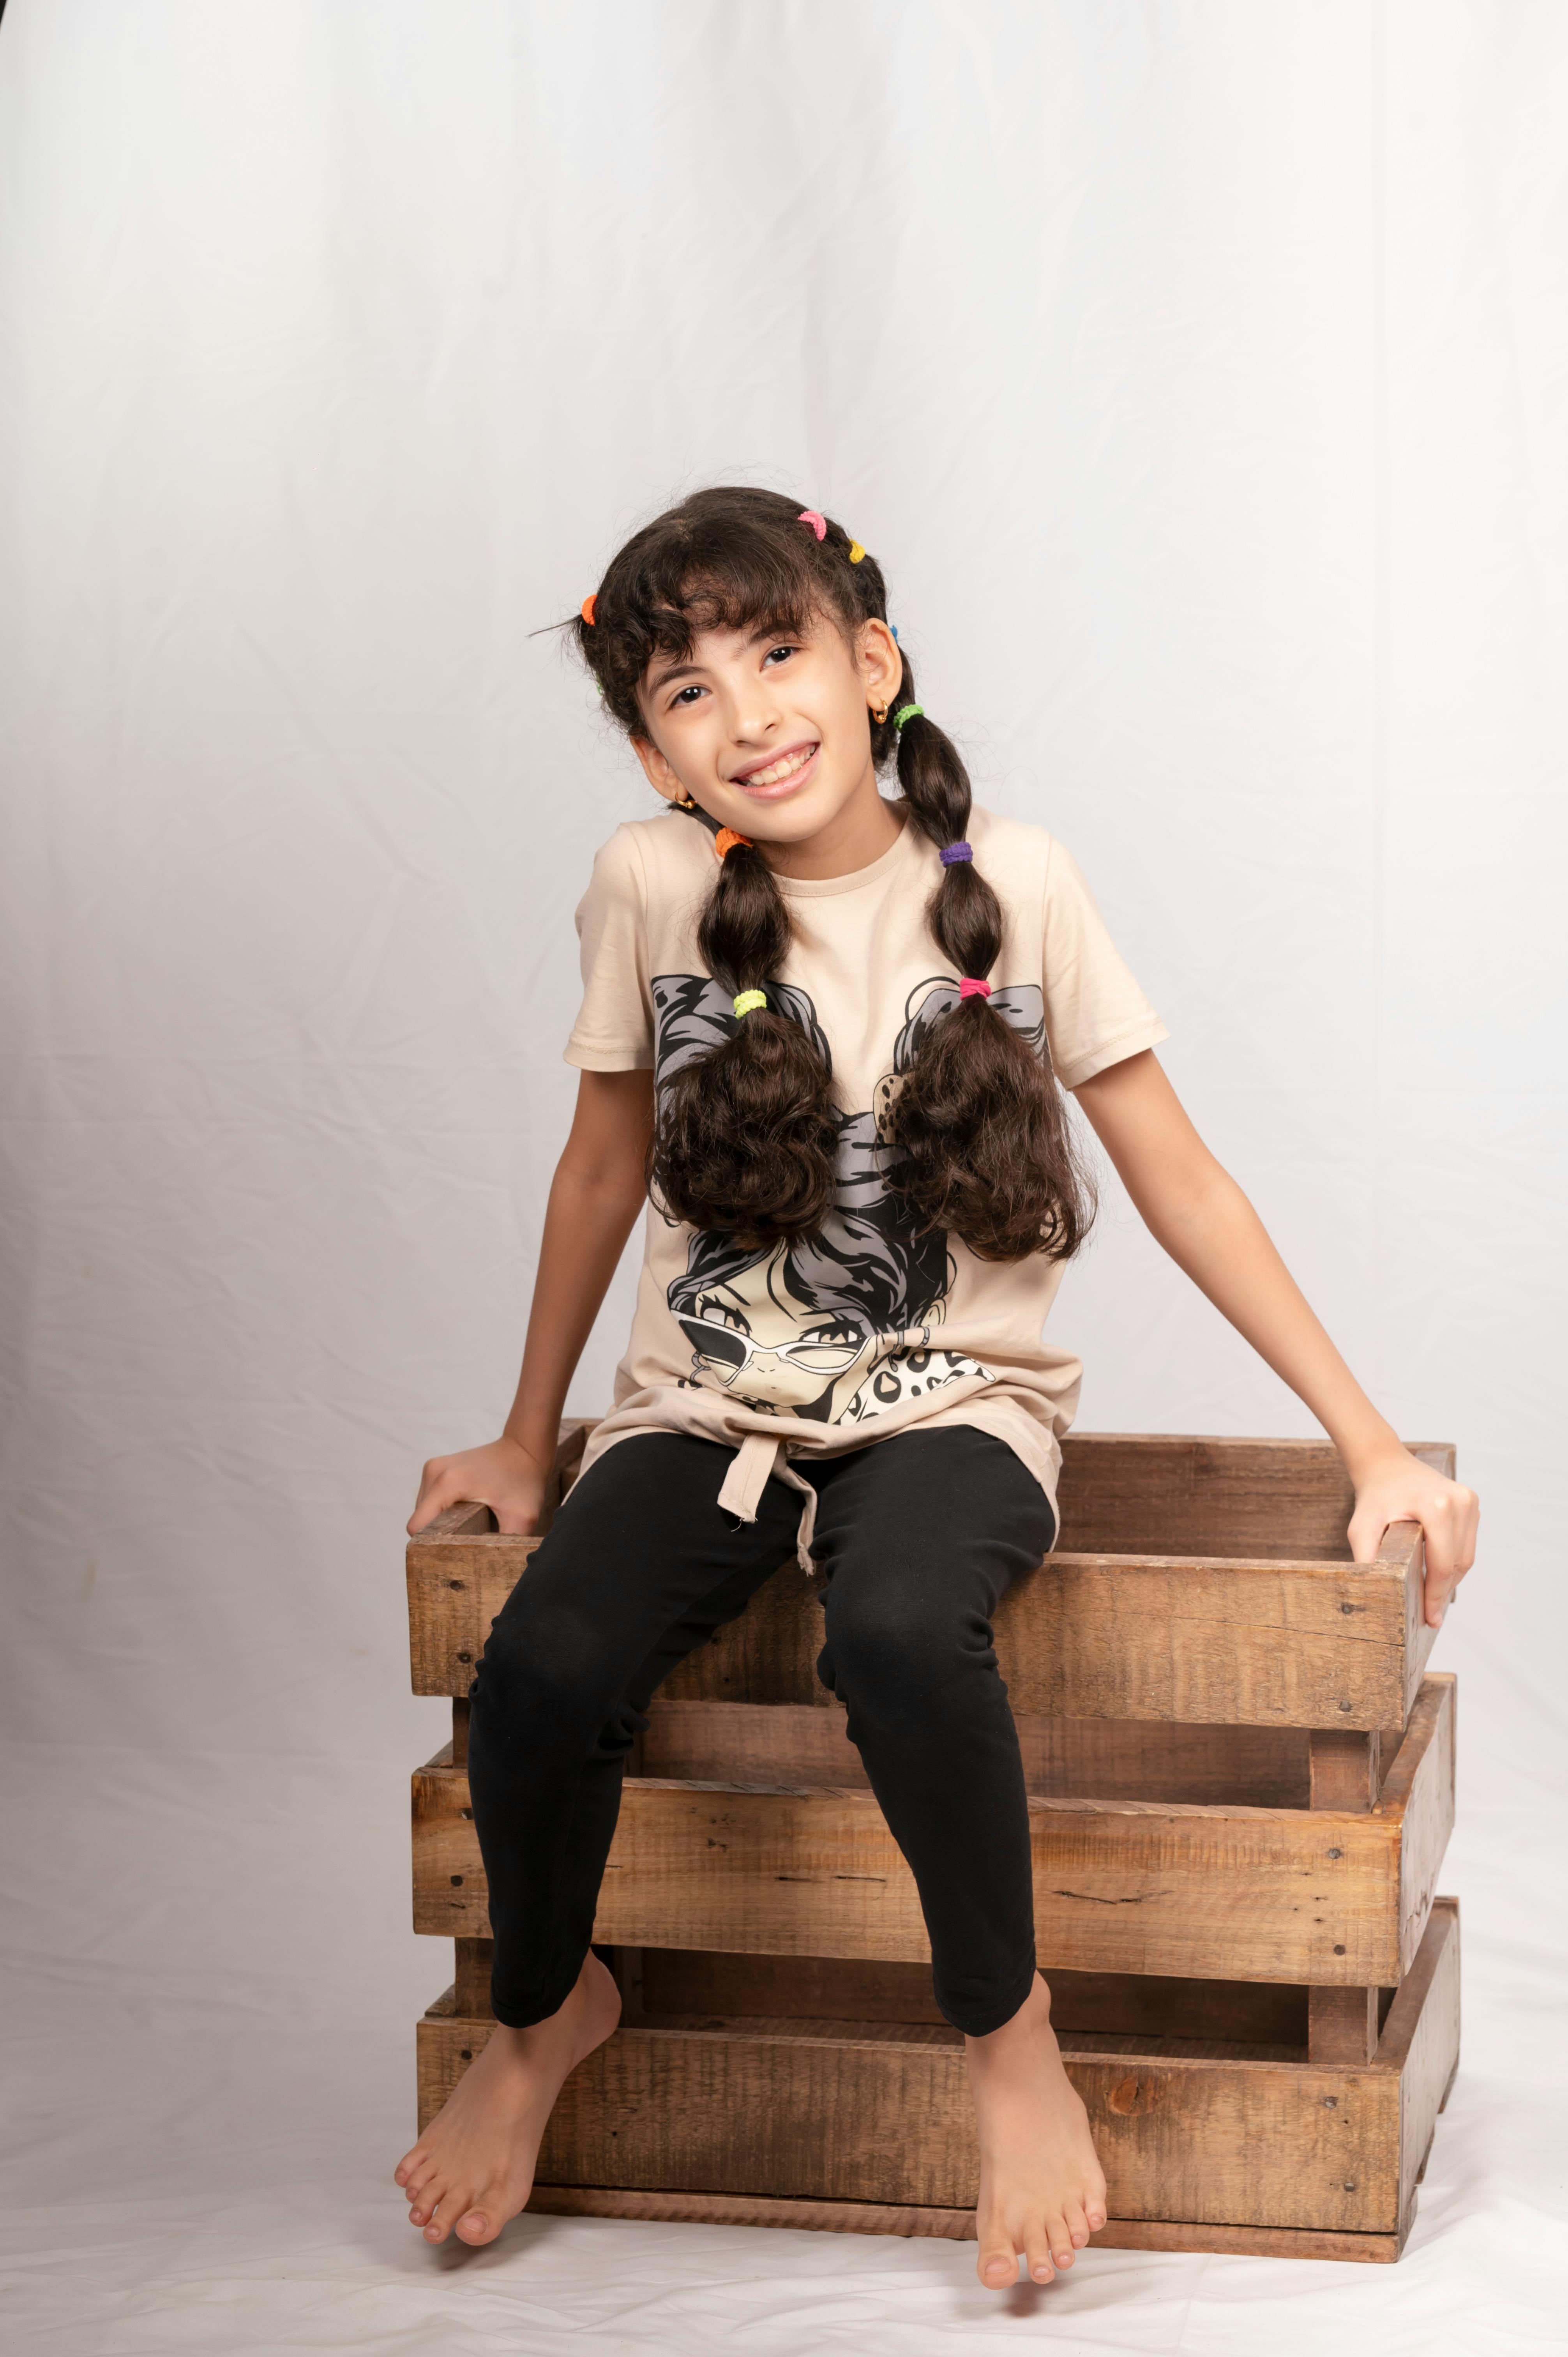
pixel 824 1035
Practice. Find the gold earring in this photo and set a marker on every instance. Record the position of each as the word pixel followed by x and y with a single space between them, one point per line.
pixel 879 713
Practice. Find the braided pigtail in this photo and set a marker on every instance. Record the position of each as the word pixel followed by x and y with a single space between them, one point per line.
pixel 979 1115
pixel 745 1135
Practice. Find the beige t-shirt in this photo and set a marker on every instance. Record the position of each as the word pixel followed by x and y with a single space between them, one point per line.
pixel 866 1329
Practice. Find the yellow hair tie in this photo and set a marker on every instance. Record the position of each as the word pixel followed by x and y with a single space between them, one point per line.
pixel 748 999
pixel 856 552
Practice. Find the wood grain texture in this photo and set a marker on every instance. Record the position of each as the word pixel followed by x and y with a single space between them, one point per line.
pixel 1249 1635
pixel 701 1982
pixel 859 2113
pixel 1342 2025
pixel 1064 1758
pixel 1225 1893
pixel 951 2225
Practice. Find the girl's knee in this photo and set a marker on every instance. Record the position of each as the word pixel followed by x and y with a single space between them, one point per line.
pixel 897 1644
pixel 551 1668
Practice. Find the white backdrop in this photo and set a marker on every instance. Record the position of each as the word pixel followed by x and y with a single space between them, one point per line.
pixel 1196 368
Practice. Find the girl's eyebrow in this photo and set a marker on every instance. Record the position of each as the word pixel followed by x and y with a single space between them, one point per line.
pixel 683 670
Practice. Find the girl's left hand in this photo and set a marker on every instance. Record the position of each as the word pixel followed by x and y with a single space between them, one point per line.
pixel 1399 1488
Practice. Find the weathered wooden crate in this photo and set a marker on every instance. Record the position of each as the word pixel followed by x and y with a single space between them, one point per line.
pixel 1240 1791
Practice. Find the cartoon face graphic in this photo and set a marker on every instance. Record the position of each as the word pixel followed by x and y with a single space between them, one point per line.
pixel 838 1326
pixel 750 1337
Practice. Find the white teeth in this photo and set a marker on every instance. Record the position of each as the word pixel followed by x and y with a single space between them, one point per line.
pixel 780 770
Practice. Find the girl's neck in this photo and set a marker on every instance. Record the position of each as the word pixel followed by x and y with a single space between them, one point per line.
pixel 859 833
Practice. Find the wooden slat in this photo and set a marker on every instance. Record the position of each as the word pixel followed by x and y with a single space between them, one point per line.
pixel 1260 1644
pixel 743 2119
pixel 1205 1581
pixel 952 2226
pixel 1064 1758
pixel 1229 1893
pixel 1171 1493
pixel 709 1981
pixel 829 2117
pixel 1421 2043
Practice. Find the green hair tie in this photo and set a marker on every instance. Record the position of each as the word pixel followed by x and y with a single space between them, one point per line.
pixel 911 711
pixel 748 999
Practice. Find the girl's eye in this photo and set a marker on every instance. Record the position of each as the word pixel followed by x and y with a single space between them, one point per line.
pixel 681 695
pixel 785 651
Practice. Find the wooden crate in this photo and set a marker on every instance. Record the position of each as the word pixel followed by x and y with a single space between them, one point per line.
pixel 863 2125
pixel 1240 1789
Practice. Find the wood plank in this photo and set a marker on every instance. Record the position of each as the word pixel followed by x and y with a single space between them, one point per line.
pixel 1171 1493
pixel 1064 1758
pixel 1249 1635
pixel 709 1981
pixel 1418 1788
pixel 952 2226
pixel 1420 2043
pixel 1261 1643
pixel 1223 1893
pixel 1342 2023
pixel 829 2117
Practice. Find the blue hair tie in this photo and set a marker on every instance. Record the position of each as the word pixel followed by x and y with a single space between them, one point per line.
pixel 955 851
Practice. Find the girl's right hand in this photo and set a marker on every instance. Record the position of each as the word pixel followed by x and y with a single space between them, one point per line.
pixel 501 1476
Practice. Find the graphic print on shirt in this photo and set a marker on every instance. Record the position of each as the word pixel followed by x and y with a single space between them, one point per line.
pixel 839 1326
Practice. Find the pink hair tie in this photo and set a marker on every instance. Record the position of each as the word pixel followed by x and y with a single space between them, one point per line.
pixel 968 986
pixel 819 524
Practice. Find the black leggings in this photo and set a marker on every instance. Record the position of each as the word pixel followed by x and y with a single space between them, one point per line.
pixel 919 1536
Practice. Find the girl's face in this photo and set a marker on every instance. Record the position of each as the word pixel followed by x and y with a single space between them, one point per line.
pixel 771 733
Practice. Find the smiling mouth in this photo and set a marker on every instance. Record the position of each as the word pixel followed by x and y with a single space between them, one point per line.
pixel 784 768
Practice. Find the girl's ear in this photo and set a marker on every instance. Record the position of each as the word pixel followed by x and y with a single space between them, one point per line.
pixel 881 664
pixel 657 769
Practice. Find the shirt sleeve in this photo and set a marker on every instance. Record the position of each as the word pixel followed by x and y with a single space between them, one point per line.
pixel 1095 1013
pixel 614 1030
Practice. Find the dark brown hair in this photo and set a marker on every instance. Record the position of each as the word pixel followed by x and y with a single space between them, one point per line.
pixel 745 1136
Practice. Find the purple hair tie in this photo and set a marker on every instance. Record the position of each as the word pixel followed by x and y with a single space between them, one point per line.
pixel 955 851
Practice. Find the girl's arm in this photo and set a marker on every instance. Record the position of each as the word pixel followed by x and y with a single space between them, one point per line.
pixel 594 1197
pixel 1198 1213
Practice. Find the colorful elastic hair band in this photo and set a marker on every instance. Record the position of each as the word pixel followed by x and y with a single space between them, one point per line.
pixel 972 989
pixel 748 999
pixel 588 607
pixel 955 851
pixel 911 711
pixel 725 839
pixel 819 524
pixel 857 554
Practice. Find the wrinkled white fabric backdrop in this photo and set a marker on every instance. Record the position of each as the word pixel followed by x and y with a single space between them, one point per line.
pixel 1197 372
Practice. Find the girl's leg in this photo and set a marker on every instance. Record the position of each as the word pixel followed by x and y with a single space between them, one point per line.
pixel 640 1565
pixel 921 1534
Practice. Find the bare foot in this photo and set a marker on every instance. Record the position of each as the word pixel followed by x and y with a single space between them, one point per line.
pixel 1041 2188
pixel 472 2168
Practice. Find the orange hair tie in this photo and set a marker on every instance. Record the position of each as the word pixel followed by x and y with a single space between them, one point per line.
pixel 588 607
pixel 725 839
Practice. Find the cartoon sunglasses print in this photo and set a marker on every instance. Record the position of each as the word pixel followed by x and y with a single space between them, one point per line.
pixel 726 1346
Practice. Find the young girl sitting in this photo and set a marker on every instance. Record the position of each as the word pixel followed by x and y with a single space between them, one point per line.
pixel 824 1037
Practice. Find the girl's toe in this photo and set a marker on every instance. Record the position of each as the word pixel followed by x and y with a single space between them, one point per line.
pixel 998 2266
